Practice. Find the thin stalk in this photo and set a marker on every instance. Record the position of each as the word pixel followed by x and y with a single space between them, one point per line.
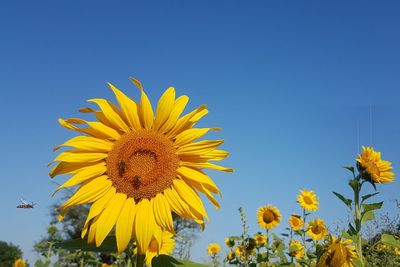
pixel 357 222
pixel 267 246
pixel 140 260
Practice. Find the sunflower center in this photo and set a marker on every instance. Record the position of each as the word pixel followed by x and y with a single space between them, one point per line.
pixel 308 200
pixel 142 164
pixel 153 246
pixel 268 216
pixel 317 229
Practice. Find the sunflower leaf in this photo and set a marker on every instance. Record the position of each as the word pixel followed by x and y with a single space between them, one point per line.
pixel 390 240
pixel 164 261
pixel 351 231
pixel 346 201
pixel 368 196
pixel 367 216
pixel 373 206
pixel 355 185
pixel 350 168
pixel 109 245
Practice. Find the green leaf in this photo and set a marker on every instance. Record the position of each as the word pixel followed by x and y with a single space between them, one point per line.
pixel 346 201
pixel 355 185
pixel 285 234
pixel 351 231
pixel 367 216
pixel 109 245
pixel 350 168
pixel 368 196
pixel 357 263
pixel 390 240
pixel 373 206
pixel 164 261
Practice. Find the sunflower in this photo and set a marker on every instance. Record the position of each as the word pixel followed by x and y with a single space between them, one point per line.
pixel 166 247
pixel 268 217
pixel 229 242
pixel 378 170
pixel 106 265
pixel 296 222
pixel 213 248
pixel 19 263
pixel 296 249
pixel 338 253
pixel 230 256
pixel 260 239
pixel 136 167
pixel 308 200
pixel 317 229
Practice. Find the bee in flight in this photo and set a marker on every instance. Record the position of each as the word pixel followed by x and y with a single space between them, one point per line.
pixel 25 205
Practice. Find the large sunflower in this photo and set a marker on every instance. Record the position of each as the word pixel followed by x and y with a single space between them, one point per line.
pixel 137 167
pixel 338 253
pixel 379 170
pixel 268 217
pixel 308 200
pixel 317 229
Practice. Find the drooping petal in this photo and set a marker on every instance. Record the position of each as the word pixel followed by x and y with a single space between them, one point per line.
pixel 190 174
pixel 92 231
pixel 88 143
pixel 111 114
pixel 109 217
pixel 85 174
pixel 199 148
pixel 162 213
pixel 144 225
pixel 124 226
pixel 129 108
pixel 164 108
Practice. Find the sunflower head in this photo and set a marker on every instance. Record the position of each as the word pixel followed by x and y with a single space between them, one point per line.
pixel 376 169
pixel 308 200
pixel 338 252
pixel 268 217
pixel 165 246
pixel 229 242
pixel 213 248
pixel 296 249
pixel 19 263
pixel 230 256
pixel 136 166
pixel 296 222
pixel 317 229
pixel 260 239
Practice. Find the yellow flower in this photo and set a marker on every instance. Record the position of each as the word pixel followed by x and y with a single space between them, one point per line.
pixel 378 170
pixel 268 217
pixel 239 251
pixel 230 256
pixel 338 253
pixel 106 265
pixel 19 263
pixel 136 167
pixel 166 247
pixel 296 222
pixel 308 200
pixel 260 239
pixel 296 249
pixel 317 229
pixel 397 251
pixel 213 248
pixel 229 242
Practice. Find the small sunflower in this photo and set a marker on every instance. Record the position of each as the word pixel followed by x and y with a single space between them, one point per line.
pixel 308 200
pixel 166 247
pixel 268 217
pixel 317 229
pixel 260 239
pixel 379 170
pixel 213 248
pixel 19 263
pixel 296 222
pixel 136 167
pixel 296 249
pixel 239 251
pixel 338 253
pixel 230 256
pixel 397 251
pixel 229 242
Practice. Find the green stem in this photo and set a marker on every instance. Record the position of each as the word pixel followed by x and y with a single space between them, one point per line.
pixel 357 222
pixel 140 260
pixel 267 246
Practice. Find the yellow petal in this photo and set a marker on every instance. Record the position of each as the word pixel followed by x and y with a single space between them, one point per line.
pixel 199 148
pixel 112 115
pixel 92 230
pixel 89 192
pixel 129 108
pixel 199 187
pixel 164 107
pixel 177 110
pixel 83 175
pixel 144 225
pixel 71 167
pixel 184 123
pixel 208 165
pixel 162 213
pixel 189 196
pixel 124 226
pixel 77 156
pixel 97 207
pixel 104 129
pixel 190 135
pixel 109 217
pixel 190 174
pixel 146 113
pixel 88 143
pixel 137 83
pixel 89 131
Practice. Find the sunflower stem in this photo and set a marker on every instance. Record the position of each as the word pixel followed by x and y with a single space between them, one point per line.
pixel 140 260
pixel 357 220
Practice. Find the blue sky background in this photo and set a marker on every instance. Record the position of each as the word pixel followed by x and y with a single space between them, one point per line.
pixel 297 86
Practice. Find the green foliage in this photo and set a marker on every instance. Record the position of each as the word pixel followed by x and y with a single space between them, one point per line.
pixel 9 253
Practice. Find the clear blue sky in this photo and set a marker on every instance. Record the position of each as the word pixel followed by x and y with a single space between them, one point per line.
pixel 298 87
